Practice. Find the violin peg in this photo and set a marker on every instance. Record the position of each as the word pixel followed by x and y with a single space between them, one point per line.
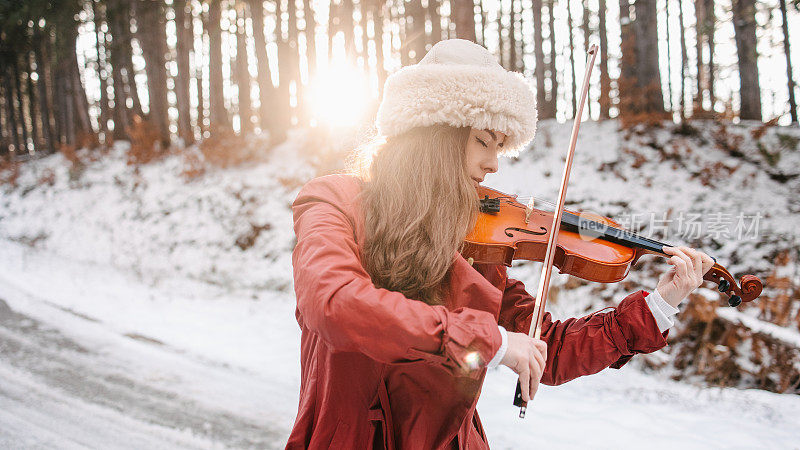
pixel 723 285
pixel 735 301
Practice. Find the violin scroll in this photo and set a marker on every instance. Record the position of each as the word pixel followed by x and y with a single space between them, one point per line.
pixel 750 289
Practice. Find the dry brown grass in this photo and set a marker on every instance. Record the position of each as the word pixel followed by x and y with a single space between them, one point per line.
pixel 224 148
pixel 727 352
pixel 47 177
pixel 145 146
pixel 9 171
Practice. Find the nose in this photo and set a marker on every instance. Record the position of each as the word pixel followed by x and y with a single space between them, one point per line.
pixel 490 165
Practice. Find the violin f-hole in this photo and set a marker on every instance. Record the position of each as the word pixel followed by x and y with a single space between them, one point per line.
pixel 542 231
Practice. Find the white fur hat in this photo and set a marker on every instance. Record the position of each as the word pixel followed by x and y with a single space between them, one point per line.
pixel 459 83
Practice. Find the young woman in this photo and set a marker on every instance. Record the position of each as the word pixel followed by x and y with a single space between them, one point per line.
pixel 398 329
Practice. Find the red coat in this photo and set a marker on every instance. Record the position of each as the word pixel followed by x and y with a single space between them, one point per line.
pixel 382 371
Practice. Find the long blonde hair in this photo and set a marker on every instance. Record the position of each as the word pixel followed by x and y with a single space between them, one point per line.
pixel 419 203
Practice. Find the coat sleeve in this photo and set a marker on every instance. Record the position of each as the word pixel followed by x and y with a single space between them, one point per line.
pixel 337 300
pixel 586 345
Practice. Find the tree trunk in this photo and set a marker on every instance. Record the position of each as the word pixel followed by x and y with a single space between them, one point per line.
pixel 414 43
pixel 501 40
pixel 266 90
pixel 58 106
pixel 4 140
pixel 20 103
pixel 131 89
pixel 649 78
pixel 789 77
pixel 55 81
pixel 710 26
pixel 83 121
pixel 345 12
pixel 421 40
pixel 293 56
pixel 283 111
pixel 512 37
pixel 218 113
pixel 684 61
pixel 605 80
pixel 34 114
pixel 242 73
pixel 44 103
pixel 627 77
pixel 11 112
pixel 377 9
pixel 152 36
pixel 699 12
pixel 101 68
pixel 521 36
pixel 669 62
pixel 572 60
pixel 462 12
pixel 183 43
pixel 484 19
pixel 586 36
pixel 553 102
pixel 200 61
pixel 120 113
pixel 538 50
pixel 80 103
pixel 333 25
pixel 68 96
pixel 310 32
pixel 435 18
pixel 744 23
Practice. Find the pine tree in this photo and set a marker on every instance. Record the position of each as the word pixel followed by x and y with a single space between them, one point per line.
pixel 219 115
pixel 242 72
pixel 605 79
pixel 789 77
pixel 266 90
pixel 463 14
pixel 151 32
pixel 183 33
pixel 745 27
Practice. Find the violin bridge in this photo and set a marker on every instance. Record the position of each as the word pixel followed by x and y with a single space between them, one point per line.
pixel 528 210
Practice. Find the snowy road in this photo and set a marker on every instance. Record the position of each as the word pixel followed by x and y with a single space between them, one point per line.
pixel 98 389
pixel 90 357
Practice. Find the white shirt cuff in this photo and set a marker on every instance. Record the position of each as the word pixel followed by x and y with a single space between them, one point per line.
pixel 502 351
pixel 662 311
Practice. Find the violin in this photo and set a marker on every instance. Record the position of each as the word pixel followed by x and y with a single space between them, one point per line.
pixel 589 246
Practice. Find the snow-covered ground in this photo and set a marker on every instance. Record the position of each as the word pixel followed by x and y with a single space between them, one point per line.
pixel 241 357
pixel 151 258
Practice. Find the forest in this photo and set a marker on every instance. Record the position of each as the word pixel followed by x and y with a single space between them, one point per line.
pixel 83 73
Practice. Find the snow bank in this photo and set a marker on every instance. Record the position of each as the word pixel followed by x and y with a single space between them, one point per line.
pixel 232 228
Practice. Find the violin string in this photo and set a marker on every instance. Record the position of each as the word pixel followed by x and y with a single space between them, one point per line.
pixel 540 201
pixel 536 201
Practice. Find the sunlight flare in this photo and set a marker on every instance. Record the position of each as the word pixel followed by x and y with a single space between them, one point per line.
pixel 339 96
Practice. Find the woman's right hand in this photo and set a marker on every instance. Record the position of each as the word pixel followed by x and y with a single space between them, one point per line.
pixel 526 356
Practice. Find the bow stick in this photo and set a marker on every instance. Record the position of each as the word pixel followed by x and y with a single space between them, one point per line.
pixel 547 265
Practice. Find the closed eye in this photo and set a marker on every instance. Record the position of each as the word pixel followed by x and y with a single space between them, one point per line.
pixel 481 141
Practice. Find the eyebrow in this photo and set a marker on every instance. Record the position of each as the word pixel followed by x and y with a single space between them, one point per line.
pixel 494 136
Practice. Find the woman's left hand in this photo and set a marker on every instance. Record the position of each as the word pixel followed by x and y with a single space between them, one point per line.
pixel 688 267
